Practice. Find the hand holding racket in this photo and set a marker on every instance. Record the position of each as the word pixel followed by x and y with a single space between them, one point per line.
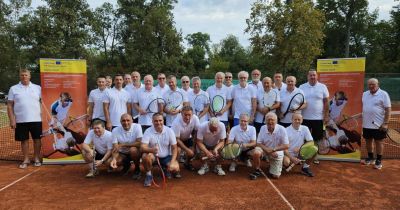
pixel 200 102
pixel 392 134
pixel 174 102
pixel 307 151
pixel 152 107
pixel 217 105
pixel 94 166
pixel 268 101
pixel 295 103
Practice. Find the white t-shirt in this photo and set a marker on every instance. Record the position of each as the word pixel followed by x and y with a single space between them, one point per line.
pixel 285 99
pixel 231 109
pixel 192 96
pixel 61 143
pixel 314 96
pixel 120 135
pixel 161 90
pixel 182 130
pixel 170 118
pixel 144 97
pixel 163 140
pixel 117 100
pixel 242 97
pixel 225 93
pixel 211 139
pixel 258 86
pixel 278 137
pixel 59 111
pixel 297 138
pixel 283 87
pixel 260 102
pixel 132 92
pixel 242 136
pixel 102 143
pixel 336 110
pixel 187 91
pixel 374 108
pixel 26 100
pixel 96 97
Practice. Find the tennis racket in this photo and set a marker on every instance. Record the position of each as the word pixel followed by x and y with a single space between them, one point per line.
pixel 217 104
pixel 307 151
pixel 152 107
pixel 200 103
pixel 161 170
pixel 269 99
pixel 350 122
pixel 324 146
pixel 94 160
pixel 295 103
pixel 392 134
pixel 229 152
pixel 174 100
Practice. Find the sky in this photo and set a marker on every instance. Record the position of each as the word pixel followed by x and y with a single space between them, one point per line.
pixel 219 18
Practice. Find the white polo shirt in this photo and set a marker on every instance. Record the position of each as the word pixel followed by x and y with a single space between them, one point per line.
pixel 191 96
pixel 60 111
pixel 297 138
pixel 170 118
pixel 132 92
pixel 274 139
pixel 211 139
pixel 183 130
pixel 225 93
pixel 241 136
pixel 231 109
pixel 242 97
pixel 260 102
pixel 143 97
pixel 285 99
pixel 96 97
pixel 163 140
pixel 161 90
pixel 283 87
pixel 26 100
pixel 102 143
pixel 335 110
pixel 258 86
pixel 314 95
pixel 187 91
pixel 121 136
pixel 117 100
pixel 374 108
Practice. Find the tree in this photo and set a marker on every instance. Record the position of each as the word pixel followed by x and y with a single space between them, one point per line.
pixel 200 49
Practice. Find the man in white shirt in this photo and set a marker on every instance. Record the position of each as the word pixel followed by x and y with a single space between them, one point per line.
pixel 101 139
pixel 255 79
pixel 245 135
pixel 272 102
pixel 203 101
pixel 127 140
pixel 127 79
pixel 278 81
pixel 24 113
pixel 244 99
pixel 376 114
pixel 109 82
pixel 162 86
pixel 271 142
pixel 159 142
pixel 172 112
pixel 117 101
pixel 142 99
pixel 220 89
pixel 96 97
pixel 298 134
pixel 185 83
pixel 210 140
pixel 132 88
pixel 316 114
pixel 229 84
pixel 185 127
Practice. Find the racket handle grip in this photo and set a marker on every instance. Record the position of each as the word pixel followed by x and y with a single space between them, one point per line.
pixel 204 158
pixel 135 117
pixel 290 167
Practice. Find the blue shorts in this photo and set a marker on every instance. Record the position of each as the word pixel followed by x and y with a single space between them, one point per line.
pixel 165 161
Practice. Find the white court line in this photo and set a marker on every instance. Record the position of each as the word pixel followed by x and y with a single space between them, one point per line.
pixel 16 181
pixel 280 194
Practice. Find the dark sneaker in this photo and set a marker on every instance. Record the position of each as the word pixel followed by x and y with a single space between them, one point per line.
pixel 148 180
pixel 378 164
pixel 307 171
pixel 368 161
pixel 189 166
pixel 167 174
pixel 257 173
pixel 177 175
pixel 126 167
pixel 136 175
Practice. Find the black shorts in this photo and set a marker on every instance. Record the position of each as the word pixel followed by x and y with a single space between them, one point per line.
pixel 316 127
pixel 99 156
pixel 145 127
pixel 188 143
pixel 22 130
pixel 258 126
pixel 375 134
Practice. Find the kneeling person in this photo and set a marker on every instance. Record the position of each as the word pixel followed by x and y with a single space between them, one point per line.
pixel 102 141
pixel 159 142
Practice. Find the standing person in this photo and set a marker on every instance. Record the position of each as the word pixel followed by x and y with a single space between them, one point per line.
pixel 159 142
pixel 220 89
pixel 196 91
pixel 132 88
pixel 261 109
pixel 376 115
pixel 117 101
pixel 255 79
pixel 96 97
pixel 185 83
pixel 127 79
pixel 229 84
pixel 162 86
pixel 143 98
pixel 278 81
pixel 316 114
pixel 244 99
pixel 24 113
pixel 172 113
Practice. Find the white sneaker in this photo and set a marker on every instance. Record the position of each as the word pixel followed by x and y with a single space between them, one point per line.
pixel 204 169
pixel 232 167
pixel 218 170
pixel 248 163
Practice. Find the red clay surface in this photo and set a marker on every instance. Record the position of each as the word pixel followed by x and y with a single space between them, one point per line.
pixel 336 186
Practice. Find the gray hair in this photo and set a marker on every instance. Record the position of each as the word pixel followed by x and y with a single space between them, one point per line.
pixel 213 121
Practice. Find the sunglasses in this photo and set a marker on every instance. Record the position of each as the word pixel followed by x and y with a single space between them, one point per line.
pixel 228 77
pixel 185 81
pixel 161 78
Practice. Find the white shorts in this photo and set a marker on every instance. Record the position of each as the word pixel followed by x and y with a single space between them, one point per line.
pixel 275 163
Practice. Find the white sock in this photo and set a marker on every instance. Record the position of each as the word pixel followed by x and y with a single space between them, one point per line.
pixel 148 173
pixel 305 165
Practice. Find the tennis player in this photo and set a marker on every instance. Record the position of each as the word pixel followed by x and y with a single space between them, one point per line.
pixel 185 83
pixel 159 141
pixel 278 82
pixel 173 113
pixel 196 83
pixel 126 141
pixel 185 127
pixel 261 109
pixel 96 97
pixel 255 80
pixel 220 89
pixel 210 140
pixel 142 99
pixel 298 134
pixel 103 143
pixel 162 86
pixel 286 96
pixel 117 101
pixel 60 108
pixel 24 113
pixel 245 135
pixel 271 142
pixel 132 88
pixel 244 99
pixel 229 84
pixel 376 115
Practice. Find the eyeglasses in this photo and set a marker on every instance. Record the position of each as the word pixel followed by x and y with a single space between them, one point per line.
pixel 161 78
pixel 185 81
pixel 228 77
pixel 242 77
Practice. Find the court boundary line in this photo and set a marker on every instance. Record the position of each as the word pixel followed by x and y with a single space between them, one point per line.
pixel 18 180
pixel 280 194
